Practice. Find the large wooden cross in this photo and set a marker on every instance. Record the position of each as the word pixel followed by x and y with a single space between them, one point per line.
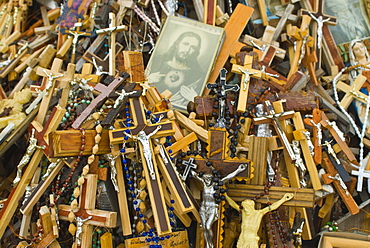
pixel 111 31
pixel 87 210
pixel 154 185
pixel 105 91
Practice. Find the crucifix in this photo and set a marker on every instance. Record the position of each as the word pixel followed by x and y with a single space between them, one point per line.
pixel 247 71
pixel 105 91
pixel 333 177
pixel 274 118
pixel 86 215
pixel 76 34
pixel 233 29
pixel 224 89
pixel 141 130
pixel 111 32
pixel 188 166
pixel 314 122
pixel 353 91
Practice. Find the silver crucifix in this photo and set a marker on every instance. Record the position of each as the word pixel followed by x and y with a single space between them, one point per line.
pixel 318 132
pixel 113 170
pixel 331 151
pixel 80 223
pixel 122 96
pixel 341 182
pixel 333 124
pixel 309 142
pixel 51 78
pixel 320 23
pixel 247 76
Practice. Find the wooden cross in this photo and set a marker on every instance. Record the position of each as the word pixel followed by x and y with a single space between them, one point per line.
pixel 343 145
pixel 309 61
pixel 188 166
pixel 233 29
pixel 49 77
pixel 76 34
pixel 263 46
pixel 87 210
pixel 283 20
pixel 298 34
pixel 247 72
pixel 332 177
pixel 48 238
pixel 209 15
pixel 105 91
pixel 111 31
pixel 329 45
pixel 273 118
pixel 320 19
pixel 314 122
pixel 153 181
pixel 219 158
pixel 353 91
pixel 140 124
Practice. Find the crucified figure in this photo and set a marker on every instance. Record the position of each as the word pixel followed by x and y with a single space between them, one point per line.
pixel 51 78
pixel 113 170
pixel 251 219
pixel 209 208
pixel 145 142
pixel 320 23
pixel 121 96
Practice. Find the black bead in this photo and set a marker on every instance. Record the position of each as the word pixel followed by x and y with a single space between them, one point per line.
pixel 216 195
pixel 216 179
pixel 208 163
pixel 238 126
pixel 220 183
pixel 222 191
pixel 201 173
pixel 216 187
pixel 195 152
pixel 179 160
pixel 211 124
pixel 227 112
pixel 214 172
pixel 228 118
pixel 183 154
pixel 188 153
pixel 242 121
pixel 214 113
pixel 232 139
pixel 222 198
pixel 227 123
pixel 215 106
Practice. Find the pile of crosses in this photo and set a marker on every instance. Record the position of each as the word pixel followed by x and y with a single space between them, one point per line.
pixel 92 155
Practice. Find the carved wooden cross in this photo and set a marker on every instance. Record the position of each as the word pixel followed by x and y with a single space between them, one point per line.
pixel 154 186
pixel 105 91
pixel 246 70
pixel 314 122
pixel 111 31
pixel 87 210
pixel 333 177
pixel 273 118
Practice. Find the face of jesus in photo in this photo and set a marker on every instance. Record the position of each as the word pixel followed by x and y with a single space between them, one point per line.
pixel 187 47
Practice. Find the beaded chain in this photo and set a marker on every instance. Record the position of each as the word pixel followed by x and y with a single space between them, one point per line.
pixel 85 171
pixel 71 113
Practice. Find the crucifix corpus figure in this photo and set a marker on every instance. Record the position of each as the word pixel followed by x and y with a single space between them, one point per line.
pixel 145 142
pixel 209 208
pixel 251 219
pixel 320 23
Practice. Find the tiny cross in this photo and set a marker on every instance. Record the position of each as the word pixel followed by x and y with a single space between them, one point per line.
pixel 189 165
pixel 320 22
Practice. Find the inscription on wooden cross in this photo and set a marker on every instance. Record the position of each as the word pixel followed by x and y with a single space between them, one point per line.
pixel 105 91
pixel 88 212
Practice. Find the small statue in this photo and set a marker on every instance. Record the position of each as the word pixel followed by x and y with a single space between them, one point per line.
pixel 251 219
pixel 113 170
pixel 209 208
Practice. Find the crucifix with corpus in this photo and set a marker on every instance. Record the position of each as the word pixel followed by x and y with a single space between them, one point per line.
pixel 144 132
pixel 111 32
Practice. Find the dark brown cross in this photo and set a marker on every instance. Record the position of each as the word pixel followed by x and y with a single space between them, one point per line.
pixel 218 156
pixel 140 124
pixel 87 210
pixel 333 177
pixel 105 91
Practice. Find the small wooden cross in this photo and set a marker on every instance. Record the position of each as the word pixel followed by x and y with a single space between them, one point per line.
pixel 247 72
pixel 353 91
pixel 111 31
pixel 87 211
pixel 333 177
pixel 309 61
pixel 314 122
pixel 224 89
pixel 105 91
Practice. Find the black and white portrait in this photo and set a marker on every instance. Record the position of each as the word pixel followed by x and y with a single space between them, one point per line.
pixel 183 58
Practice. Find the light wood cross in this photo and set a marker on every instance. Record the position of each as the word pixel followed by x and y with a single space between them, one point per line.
pixel 87 212
pixel 352 92
pixel 111 32
pixel 233 29
pixel 247 72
